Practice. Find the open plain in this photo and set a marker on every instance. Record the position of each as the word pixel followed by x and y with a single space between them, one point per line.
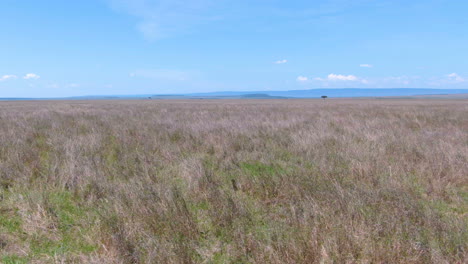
pixel 234 181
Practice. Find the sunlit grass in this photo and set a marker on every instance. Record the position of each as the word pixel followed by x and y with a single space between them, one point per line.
pixel 253 181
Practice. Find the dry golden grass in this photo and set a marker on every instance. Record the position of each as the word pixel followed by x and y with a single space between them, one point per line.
pixel 231 181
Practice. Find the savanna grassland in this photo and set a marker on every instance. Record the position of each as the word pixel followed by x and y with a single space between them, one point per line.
pixel 234 181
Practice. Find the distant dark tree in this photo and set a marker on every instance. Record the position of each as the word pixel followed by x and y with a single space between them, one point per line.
pixel 324 97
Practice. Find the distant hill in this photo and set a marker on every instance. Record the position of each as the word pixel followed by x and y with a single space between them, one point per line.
pixel 312 93
pixel 446 96
pixel 346 92
pixel 262 96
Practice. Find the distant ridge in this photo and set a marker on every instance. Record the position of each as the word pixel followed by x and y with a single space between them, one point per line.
pixel 312 93
pixel 345 92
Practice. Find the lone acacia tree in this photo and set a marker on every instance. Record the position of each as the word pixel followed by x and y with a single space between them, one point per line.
pixel 324 97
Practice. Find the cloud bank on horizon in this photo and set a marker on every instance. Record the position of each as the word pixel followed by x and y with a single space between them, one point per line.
pixel 184 46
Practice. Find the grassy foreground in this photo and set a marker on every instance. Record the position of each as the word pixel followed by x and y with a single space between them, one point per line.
pixel 254 181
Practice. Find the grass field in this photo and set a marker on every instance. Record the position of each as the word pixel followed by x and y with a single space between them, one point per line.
pixel 234 181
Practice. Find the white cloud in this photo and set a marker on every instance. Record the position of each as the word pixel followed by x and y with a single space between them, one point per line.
pixel 281 61
pixel 7 77
pixel 342 78
pixel 339 77
pixel 302 79
pixel 366 66
pixel 31 76
pixel 73 85
pixel 455 77
pixel 164 18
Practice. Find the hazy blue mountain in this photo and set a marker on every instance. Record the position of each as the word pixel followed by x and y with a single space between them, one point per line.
pixel 313 93
pixel 347 92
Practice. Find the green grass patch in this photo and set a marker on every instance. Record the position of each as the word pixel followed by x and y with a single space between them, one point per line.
pixel 258 169
pixel 74 222
pixel 66 209
pixel 11 223
pixel 13 259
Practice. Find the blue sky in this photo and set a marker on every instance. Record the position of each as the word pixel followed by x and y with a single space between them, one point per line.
pixel 54 48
